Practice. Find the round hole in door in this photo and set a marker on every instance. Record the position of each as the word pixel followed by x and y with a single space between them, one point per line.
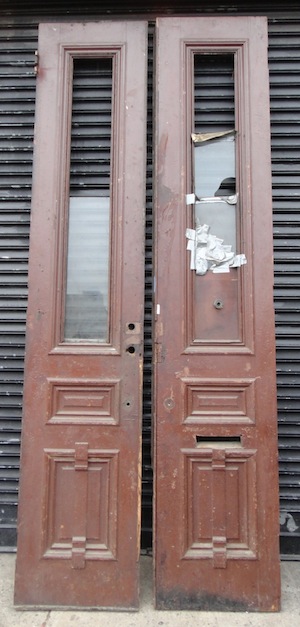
pixel 130 349
pixel 218 303
pixel 131 326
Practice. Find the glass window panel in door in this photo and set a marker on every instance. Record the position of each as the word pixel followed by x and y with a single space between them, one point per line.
pixel 215 290
pixel 88 258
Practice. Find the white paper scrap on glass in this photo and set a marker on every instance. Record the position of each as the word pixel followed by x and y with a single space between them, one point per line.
pixel 191 248
pixel 190 234
pixel 238 260
pixel 221 268
pixel 190 199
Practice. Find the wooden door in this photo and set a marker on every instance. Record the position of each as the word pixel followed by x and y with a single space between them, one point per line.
pixel 216 500
pixel 79 515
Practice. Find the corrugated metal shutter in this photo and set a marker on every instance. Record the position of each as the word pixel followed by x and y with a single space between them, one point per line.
pixel 91 127
pixel 147 477
pixel 285 119
pixel 214 93
pixel 17 88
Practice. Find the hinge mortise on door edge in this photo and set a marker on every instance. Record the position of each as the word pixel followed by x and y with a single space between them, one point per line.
pixel 158 353
pixel 159 349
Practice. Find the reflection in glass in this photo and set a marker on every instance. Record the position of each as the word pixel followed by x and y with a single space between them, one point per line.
pixel 215 166
pixel 214 180
pixel 87 270
pixel 214 145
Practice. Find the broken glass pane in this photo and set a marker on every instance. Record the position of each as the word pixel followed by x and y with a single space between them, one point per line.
pixel 214 158
pixel 214 181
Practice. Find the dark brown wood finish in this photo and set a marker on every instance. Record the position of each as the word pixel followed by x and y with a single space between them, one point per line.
pixel 216 494
pixel 80 486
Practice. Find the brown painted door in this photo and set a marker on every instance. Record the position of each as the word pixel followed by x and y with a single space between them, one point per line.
pixel 80 484
pixel 216 501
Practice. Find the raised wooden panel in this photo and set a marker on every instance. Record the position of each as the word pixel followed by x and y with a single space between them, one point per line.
pixel 209 401
pixel 220 505
pixel 213 324
pixel 80 520
pixel 84 401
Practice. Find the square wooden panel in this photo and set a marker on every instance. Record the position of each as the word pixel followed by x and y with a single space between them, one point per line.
pixel 81 498
pixel 224 401
pixel 220 504
pixel 84 401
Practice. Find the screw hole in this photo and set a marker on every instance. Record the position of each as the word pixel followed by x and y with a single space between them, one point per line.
pixel 131 350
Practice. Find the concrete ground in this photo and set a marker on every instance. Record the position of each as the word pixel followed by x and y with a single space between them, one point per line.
pixel 147 616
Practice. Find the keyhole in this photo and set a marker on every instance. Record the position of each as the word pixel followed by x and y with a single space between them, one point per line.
pixel 131 350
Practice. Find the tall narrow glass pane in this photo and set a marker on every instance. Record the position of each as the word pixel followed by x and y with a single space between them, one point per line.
pixel 215 242
pixel 214 146
pixel 88 259
pixel 214 166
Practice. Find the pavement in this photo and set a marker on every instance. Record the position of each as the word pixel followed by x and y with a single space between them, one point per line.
pixel 148 616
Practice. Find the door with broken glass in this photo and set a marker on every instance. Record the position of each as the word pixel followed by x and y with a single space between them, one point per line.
pixel 216 518
pixel 79 528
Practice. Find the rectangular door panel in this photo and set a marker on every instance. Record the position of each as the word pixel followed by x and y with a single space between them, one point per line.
pixel 79 516
pixel 216 503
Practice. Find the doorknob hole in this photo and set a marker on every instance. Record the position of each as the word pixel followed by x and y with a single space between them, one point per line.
pixel 131 350
pixel 218 303
pixel 131 326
